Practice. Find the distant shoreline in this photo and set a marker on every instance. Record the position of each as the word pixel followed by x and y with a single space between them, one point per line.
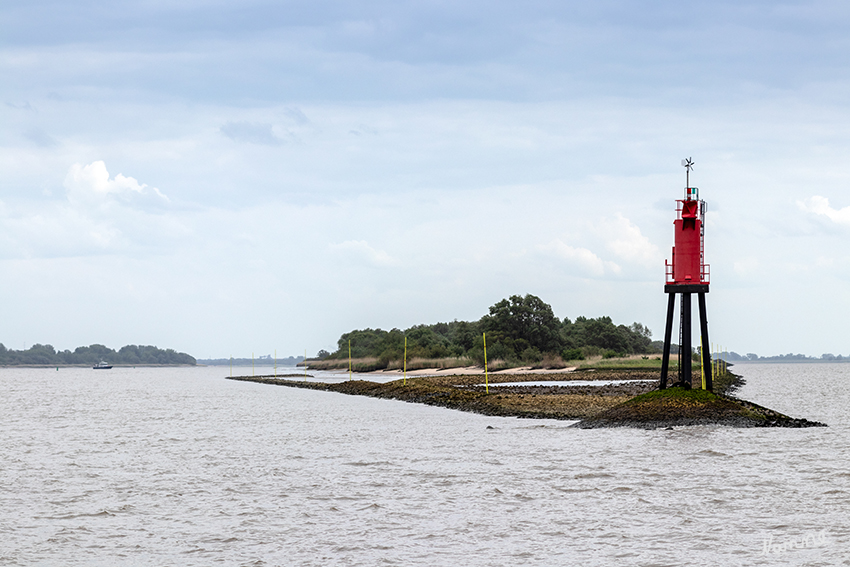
pixel 790 361
pixel 90 366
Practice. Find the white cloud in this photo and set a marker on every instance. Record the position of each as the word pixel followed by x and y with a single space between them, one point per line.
pixel 90 183
pixel 586 261
pixel 820 206
pixel 626 241
pixel 360 249
pixel 747 267
pixel 99 215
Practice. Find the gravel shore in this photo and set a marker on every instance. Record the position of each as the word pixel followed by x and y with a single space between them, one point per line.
pixel 634 402
pixel 465 392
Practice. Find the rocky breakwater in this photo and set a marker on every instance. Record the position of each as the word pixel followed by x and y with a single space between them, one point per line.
pixel 466 393
pixel 678 406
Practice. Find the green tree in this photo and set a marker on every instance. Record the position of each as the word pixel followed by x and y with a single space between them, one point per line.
pixel 527 319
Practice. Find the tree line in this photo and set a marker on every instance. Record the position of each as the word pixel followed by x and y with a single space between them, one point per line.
pixel 265 360
pixel 790 357
pixel 46 355
pixel 518 329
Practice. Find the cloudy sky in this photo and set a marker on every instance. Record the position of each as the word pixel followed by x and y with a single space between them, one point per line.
pixel 225 178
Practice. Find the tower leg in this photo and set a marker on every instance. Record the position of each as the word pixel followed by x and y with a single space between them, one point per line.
pixel 706 349
pixel 686 339
pixel 668 335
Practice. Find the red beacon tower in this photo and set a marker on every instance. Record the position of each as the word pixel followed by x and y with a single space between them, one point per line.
pixel 687 273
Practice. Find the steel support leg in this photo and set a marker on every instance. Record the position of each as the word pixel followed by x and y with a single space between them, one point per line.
pixel 668 335
pixel 706 349
pixel 686 338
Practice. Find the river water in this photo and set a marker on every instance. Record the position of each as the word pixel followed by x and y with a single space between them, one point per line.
pixel 182 467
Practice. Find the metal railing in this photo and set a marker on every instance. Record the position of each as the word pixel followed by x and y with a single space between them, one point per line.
pixel 704 275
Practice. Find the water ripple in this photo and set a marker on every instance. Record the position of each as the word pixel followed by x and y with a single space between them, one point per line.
pixel 178 466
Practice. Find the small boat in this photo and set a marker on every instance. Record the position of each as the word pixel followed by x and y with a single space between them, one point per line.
pixel 102 366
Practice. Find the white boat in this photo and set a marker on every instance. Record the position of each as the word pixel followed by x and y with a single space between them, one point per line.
pixel 102 365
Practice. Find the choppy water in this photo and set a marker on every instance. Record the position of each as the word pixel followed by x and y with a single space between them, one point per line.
pixel 182 467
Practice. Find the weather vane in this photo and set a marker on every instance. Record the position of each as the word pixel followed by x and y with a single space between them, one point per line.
pixel 688 164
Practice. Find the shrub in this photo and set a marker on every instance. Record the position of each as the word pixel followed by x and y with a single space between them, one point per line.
pixel 572 354
pixel 591 350
pixel 531 355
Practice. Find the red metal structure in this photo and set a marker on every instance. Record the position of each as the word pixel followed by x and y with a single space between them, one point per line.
pixel 688 263
pixel 685 274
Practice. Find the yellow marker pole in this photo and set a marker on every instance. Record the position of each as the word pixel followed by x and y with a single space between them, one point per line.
pixel 252 364
pixel 713 362
pixel 701 362
pixel 719 360
pixel 405 361
pixel 486 376
pixel 349 360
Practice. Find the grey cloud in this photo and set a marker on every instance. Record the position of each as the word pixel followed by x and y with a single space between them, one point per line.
pixel 22 106
pixel 251 132
pixel 297 116
pixel 272 51
pixel 363 129
pixel 40 138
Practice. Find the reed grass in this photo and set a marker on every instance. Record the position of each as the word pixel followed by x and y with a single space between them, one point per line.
pixel 636 361
pixel 372 363
pixel 420 363
pixel 367 364
pixel 549 362
pixel 499 364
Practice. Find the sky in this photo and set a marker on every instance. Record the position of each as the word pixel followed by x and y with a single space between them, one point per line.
pixel 228 178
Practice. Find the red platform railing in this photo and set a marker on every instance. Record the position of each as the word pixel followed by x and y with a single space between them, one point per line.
pixel 704 275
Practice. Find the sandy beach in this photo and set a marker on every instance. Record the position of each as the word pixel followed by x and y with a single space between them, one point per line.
pixel 469 370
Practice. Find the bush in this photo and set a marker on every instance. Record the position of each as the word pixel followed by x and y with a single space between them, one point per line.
pixel 591 350
pixel 531 355
pixel 572 354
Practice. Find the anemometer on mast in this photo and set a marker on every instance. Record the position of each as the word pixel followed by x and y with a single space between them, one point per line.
pixel 688 164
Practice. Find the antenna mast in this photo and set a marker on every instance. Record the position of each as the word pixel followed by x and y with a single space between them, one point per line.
pixel 688 164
